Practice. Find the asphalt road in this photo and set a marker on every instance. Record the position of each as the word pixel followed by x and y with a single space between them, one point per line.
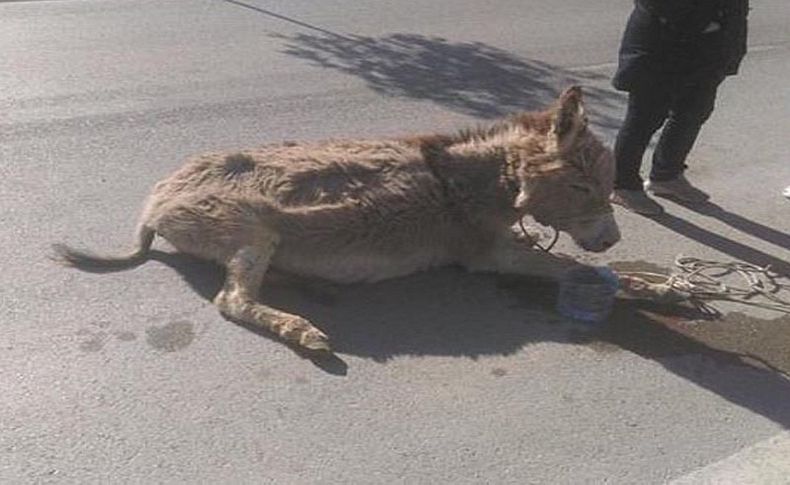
pixel 442 377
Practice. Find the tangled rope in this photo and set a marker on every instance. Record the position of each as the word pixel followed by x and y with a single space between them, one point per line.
pixel 700 280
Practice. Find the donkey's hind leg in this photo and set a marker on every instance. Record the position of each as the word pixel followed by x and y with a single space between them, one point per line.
pixel 237 299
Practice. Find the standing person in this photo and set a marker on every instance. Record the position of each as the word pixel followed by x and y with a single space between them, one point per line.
pixel 673 56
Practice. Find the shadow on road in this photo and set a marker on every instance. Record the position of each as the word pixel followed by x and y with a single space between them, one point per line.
pixel 740 223
pixel 453 313
pixel 733 248
pixel 666 335
pixel 469 77
pixel 278 16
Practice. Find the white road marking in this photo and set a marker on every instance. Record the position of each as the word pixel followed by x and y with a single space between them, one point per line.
pixel 766 463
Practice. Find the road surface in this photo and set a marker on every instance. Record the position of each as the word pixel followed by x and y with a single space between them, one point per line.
pixel 441 377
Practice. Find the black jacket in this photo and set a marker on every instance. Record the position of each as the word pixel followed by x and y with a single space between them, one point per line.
pixel 665 41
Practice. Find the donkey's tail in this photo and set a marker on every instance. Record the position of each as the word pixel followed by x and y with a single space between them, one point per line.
pixel 91 262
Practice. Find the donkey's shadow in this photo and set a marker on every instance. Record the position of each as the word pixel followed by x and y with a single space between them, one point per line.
pixel 445 312
pixel 450 312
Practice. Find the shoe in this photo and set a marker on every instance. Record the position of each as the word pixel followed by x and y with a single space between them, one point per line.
pixel 786 192
pixel 678 188
pixel 636 201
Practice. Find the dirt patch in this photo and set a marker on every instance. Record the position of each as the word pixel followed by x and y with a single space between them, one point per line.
pixel 656 331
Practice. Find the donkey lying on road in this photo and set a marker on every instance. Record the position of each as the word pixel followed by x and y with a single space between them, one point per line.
pixel 365 210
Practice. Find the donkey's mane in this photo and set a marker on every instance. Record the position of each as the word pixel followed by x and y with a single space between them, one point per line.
pixel 538 122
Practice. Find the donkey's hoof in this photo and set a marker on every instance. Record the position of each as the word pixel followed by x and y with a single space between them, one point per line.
pixel 315 340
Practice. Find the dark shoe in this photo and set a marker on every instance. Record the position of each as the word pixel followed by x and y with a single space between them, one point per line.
pixel 636 201
pixel 679 188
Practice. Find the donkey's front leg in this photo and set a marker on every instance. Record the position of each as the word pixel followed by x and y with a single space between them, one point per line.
pixel 510 256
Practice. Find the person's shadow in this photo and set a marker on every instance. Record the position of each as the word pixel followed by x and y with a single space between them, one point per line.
pixel 736 221
pixel 735 249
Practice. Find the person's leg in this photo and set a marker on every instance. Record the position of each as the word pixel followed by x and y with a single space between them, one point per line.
pixel 647 109
pixel 691 106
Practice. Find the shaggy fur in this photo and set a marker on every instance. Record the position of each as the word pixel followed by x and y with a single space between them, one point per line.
pixel 359 210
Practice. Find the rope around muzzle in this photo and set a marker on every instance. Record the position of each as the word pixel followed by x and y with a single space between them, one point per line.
pixel 562 221
pixel 535 243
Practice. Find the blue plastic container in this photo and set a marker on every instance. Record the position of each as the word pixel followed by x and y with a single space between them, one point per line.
pixel 587 294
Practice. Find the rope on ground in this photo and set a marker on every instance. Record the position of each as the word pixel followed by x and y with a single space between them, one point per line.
pixel 700 280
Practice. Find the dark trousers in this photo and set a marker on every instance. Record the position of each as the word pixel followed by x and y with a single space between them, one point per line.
pixel 681 108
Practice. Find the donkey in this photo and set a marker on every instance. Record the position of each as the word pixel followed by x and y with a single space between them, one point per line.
pixel 366 210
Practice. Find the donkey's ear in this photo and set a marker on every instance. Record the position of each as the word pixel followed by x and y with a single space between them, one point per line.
pixel 569 118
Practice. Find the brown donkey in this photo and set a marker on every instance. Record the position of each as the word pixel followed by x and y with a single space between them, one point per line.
pixel 366 210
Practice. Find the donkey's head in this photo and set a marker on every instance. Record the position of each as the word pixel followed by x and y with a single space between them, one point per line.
pixel 567 184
